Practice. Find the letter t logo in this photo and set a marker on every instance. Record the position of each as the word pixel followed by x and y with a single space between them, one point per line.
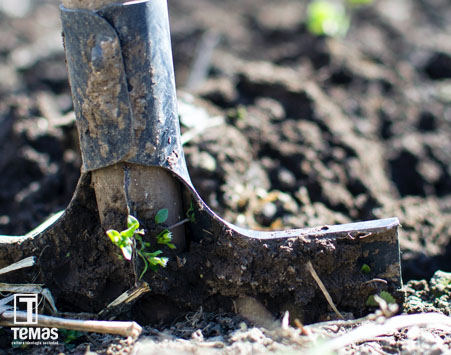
pixel 31 302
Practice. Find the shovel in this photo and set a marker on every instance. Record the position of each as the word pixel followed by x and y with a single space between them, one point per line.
pixel 121 74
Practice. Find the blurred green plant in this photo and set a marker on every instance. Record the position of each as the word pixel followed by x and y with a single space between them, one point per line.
pixel 70 336
pixel 331 18
pixel 327 18
pixel 384 295
pixel 359 2
pixel 365 269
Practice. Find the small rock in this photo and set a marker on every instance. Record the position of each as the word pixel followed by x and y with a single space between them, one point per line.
pixel 207 162
pixel 269 210
pixel 267 214
pixel 286 179
pixel 271 107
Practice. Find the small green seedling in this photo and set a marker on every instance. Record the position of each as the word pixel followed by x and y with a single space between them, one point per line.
pixel 237 114
pixel 327 18
pixel 331 18
pixel 124 239
pixel 190 215
pixel 130 240
pixel 161 216
pixel 70 335
pixel 165 236
pixel 386 296
pixel 365 269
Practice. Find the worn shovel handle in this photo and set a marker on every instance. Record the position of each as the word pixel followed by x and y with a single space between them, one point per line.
pixel 149 188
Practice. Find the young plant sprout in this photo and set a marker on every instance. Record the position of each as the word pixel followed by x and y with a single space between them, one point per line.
pixel 384 295
pixel 327 18
pixel 130 242
pixel 331 18
pixel 365 269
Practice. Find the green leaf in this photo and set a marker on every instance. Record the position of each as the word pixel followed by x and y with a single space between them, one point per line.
pixel 161 216
pixel 152 254
pixel 365 269
pixel 164 261
pixel 327 18
pixel 190 213
pixel 164 237
pixel 371 302
pixel 127 252
pixel 122 242
pixel 132 226
pixel 70 335
pixel 128 233
pixel 386 296
pixel 158 261
pixel 114 236
pixel 132 222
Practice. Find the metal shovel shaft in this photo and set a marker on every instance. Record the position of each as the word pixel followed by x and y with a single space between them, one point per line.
pixel 108 132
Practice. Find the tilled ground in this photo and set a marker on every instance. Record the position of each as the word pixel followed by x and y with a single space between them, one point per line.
pixel 221 333
pixel 283 129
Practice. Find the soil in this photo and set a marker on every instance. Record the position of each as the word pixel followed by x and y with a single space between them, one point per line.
pixel 292 130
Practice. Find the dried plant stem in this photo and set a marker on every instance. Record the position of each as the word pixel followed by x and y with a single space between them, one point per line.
pixel 27 262
pixel 323 288
pixel 127 329
pixel 179 223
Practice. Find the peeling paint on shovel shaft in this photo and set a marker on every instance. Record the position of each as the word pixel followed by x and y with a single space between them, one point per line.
pixel 121 74
pixel 122 81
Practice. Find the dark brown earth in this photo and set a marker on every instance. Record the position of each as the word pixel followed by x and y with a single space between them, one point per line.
pixel 308 130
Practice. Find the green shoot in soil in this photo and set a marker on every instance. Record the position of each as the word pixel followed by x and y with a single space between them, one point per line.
pixel 327 18
pixel 365 269
pixel 386 296
pixel 130 242
pixel 70 335
pixel 190 215
pixel 331 18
